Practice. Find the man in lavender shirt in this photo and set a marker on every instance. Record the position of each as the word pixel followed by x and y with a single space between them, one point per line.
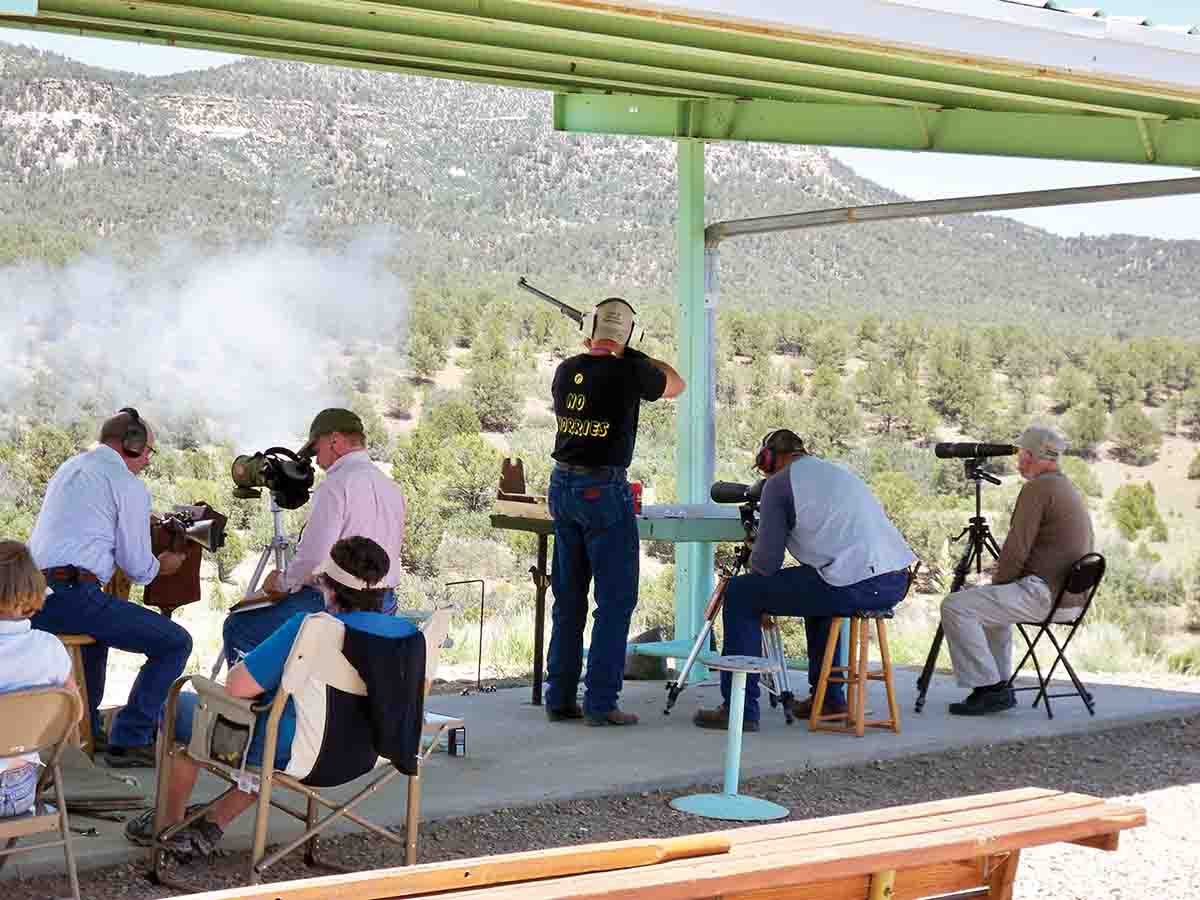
pixel 355 499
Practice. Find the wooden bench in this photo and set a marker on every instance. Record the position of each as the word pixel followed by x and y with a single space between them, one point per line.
pixel 969 844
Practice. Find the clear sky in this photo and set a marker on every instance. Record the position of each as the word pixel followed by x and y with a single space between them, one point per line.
pixel 919 175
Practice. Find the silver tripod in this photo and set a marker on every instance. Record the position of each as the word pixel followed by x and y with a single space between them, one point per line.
pixel 281 548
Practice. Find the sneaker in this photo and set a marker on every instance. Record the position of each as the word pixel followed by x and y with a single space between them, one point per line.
pixel 204 836
pixel 612 717
pixel 140 830
pixel 141 757
pixel 984 702
pixel 718 719
pixel 564 714
pixel 802 709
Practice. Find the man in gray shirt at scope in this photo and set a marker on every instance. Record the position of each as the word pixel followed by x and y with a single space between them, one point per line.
pixel 851 557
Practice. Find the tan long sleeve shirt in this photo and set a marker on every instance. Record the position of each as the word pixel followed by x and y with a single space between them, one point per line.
pixel 1050 529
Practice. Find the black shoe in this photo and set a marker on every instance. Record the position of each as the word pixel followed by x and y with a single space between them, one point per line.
pixel 564 714
pixel 718 719
pixel 985 701
pixel 141 757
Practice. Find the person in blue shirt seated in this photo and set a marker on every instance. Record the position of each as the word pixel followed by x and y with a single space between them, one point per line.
pixel 348 581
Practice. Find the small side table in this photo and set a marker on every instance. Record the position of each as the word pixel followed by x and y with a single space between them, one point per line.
pixel 730 804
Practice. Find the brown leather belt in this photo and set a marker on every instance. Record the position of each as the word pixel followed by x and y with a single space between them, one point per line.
pixel 69 573
pixel 599 471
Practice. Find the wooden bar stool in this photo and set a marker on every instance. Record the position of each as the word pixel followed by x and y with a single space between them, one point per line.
pixel 74 644
pixel 855 676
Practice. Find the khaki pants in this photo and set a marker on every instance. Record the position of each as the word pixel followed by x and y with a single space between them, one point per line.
pixel 978 625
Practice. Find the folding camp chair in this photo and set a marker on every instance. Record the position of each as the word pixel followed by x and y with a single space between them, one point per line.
pixel 1083 579
pixel 33 721
pixel 309 674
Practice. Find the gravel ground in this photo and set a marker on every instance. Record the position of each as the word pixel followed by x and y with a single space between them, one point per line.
pixel 1156 765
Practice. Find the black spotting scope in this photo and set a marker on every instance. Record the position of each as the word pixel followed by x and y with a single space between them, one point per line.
pixel 732 492
pixel 973 451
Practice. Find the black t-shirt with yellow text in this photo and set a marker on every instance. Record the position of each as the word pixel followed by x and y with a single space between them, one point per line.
pixel 596 400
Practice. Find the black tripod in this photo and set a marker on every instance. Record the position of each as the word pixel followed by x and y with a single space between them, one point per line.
pixel 979 537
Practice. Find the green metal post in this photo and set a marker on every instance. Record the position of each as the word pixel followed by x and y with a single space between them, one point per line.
pixel 696 429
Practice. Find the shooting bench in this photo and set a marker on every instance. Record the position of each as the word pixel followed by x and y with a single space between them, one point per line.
pixel 969 846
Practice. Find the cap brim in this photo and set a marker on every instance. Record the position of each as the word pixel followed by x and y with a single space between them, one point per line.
pixel 309 449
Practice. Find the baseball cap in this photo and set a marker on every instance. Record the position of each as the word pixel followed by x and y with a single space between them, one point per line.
pixel 614 321
pixel 1042 442
pixel 328 421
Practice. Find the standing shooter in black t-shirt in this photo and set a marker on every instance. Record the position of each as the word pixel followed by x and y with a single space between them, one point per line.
pixel 596 400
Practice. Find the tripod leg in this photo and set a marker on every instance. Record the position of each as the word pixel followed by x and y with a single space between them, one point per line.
pixel 926 675
pixel 970 555
pixel 675 688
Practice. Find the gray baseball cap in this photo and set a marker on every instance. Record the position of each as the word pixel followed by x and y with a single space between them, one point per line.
pixel 1043 442
pixel 328 421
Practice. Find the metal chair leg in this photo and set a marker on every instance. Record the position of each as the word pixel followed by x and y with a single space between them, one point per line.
pixel 310 847
pixel 412 819
pixel 68 848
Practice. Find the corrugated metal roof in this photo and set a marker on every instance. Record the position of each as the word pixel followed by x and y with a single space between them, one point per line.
pixel 1095 12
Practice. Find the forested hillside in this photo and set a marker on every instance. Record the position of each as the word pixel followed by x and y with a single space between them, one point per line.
pixel 479 184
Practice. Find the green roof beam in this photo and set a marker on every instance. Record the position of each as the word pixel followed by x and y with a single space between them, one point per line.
pixel 542 54
pixel 1046 136
pixel 684 29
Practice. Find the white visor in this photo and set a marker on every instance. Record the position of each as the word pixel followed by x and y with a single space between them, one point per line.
pixel 341 576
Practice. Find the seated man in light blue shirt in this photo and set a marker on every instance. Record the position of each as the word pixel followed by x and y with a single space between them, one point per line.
pixel 851 557
pixel 349 582
pixel 95 517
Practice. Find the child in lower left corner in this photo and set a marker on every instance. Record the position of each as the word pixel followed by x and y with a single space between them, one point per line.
pixel 28 659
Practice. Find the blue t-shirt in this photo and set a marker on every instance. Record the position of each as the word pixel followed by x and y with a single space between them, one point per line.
pixel 266 661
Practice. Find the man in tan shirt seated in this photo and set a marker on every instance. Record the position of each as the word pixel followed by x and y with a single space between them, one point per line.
pixel 1049 531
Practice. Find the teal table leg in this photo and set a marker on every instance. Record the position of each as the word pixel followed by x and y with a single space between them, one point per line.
pixel 732 805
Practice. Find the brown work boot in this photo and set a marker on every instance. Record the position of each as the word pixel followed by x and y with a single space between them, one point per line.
pixel 612 717
pixel 718 719
pixel 802 709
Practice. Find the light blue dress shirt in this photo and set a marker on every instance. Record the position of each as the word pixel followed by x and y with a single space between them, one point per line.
pixel 96 516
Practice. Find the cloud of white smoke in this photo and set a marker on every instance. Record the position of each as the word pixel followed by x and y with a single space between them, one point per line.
pixel 240 339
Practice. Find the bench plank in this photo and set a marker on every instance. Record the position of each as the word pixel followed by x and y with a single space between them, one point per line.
pixel 794 863
pixel 911 884
pixel 778 830
pixel 408 881
pixel 934 848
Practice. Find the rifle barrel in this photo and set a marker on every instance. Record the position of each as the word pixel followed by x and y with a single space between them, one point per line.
pixel 568 311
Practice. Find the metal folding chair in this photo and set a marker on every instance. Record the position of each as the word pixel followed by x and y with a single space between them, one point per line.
pixel 310 670
pixel 1083 579
pixel 37 720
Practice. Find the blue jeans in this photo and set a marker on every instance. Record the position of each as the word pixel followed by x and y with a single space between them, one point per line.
pixel 83 608
pixel 797 591
pixel 595 538
pixel 18 788
pixel 245 631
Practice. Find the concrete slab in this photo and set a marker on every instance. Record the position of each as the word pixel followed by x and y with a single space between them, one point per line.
pixel 515 757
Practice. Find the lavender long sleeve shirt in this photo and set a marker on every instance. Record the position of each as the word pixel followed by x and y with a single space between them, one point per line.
pixel 354 499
